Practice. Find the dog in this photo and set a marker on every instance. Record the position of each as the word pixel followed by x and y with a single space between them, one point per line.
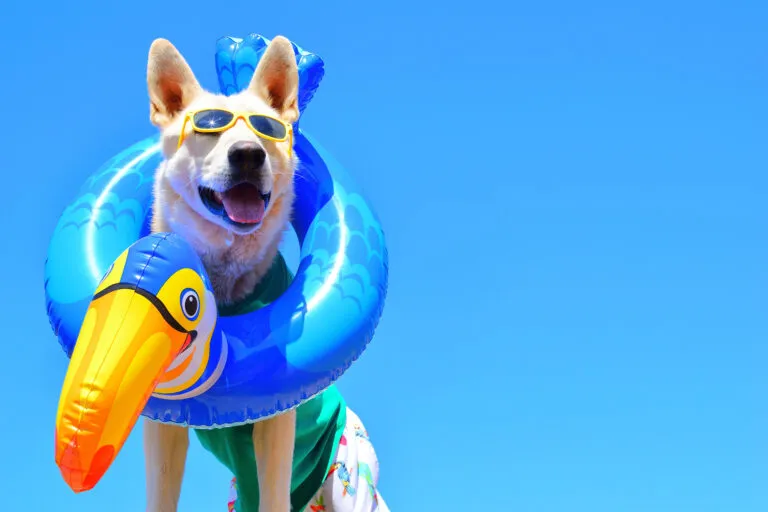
pixel 229 193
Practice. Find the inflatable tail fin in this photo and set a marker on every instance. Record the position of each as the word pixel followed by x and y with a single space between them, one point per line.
pixel 236 60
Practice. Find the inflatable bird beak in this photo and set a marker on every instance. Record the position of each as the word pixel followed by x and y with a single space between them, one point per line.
pixel 131 334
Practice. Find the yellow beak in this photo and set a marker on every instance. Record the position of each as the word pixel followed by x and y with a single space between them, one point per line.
pixel 124 346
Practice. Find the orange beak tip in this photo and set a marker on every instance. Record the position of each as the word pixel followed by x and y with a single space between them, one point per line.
pixel 79 476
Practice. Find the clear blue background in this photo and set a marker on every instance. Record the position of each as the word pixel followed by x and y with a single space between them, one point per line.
pixel 575 200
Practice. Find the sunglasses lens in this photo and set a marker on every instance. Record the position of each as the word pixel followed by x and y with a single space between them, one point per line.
pixel 211 119
pixel 268 126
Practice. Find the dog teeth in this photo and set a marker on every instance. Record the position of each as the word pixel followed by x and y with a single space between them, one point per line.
pixel 217 196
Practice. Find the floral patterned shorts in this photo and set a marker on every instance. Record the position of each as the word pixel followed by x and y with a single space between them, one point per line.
pixel 350 485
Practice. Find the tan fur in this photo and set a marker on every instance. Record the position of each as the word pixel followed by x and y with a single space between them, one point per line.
pixel 235 262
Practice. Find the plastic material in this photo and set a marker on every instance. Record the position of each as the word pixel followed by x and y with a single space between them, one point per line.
pixel 121 299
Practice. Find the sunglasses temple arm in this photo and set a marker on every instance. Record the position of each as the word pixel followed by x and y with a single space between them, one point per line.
pixel 183 129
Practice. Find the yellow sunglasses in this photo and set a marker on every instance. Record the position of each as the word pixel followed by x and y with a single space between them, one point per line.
pixel 214 120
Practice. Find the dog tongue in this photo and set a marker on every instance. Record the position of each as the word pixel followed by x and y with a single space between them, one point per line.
pixel 243 204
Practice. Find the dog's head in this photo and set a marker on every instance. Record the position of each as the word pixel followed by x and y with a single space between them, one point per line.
pixel 232 182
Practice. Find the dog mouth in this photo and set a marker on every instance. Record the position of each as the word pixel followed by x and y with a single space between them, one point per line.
pixel 242 206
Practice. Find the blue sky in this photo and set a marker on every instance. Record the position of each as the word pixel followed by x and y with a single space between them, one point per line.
pixel 574 196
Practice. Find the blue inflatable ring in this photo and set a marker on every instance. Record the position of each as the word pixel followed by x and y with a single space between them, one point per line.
pixel 272 359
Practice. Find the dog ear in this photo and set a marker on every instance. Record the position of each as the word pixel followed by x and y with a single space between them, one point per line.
pixel 276 79
pixel 171 83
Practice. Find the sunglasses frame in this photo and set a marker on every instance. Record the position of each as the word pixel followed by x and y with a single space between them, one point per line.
pixel 236 116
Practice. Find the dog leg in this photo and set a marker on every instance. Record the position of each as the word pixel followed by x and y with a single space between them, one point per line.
pixel 165 454
pixel 273 442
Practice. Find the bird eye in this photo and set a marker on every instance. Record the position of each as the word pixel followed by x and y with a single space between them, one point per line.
pixel 190 303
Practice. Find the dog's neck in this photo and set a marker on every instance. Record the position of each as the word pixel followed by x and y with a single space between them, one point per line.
pixel 233 277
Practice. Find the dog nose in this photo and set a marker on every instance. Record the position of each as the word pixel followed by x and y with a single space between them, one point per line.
pixel 246 156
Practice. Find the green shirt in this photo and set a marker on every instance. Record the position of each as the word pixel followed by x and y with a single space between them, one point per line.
pixel 319 422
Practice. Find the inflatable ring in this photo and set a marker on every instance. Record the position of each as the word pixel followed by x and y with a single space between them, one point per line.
pixel 259 364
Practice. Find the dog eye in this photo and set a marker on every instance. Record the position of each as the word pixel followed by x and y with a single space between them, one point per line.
pixel 190 304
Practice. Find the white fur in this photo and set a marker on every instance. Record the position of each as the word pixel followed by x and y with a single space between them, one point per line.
pixel 235 258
